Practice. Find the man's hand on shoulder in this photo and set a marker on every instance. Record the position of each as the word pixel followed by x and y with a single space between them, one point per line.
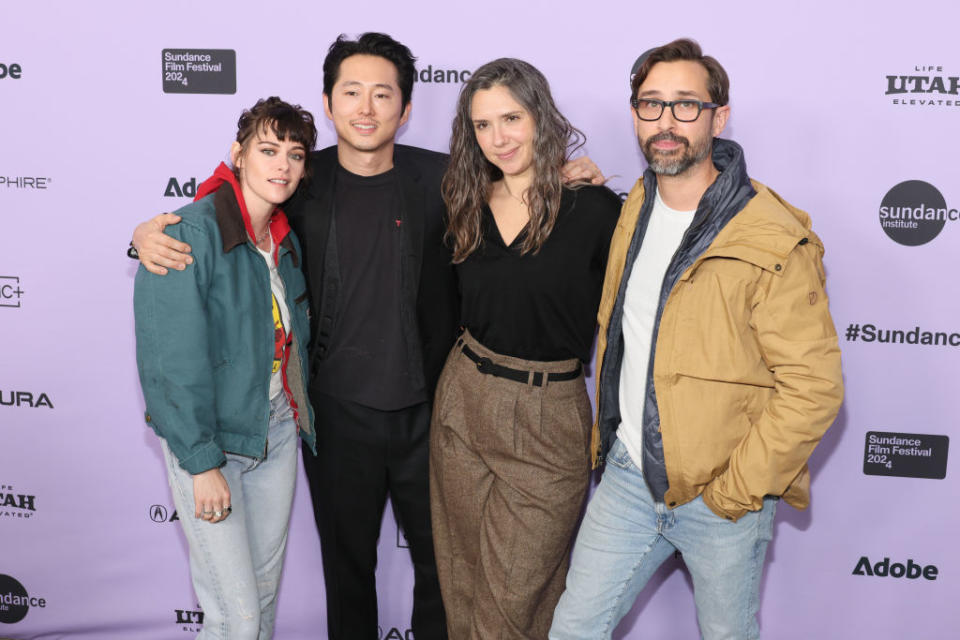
pixel 157 250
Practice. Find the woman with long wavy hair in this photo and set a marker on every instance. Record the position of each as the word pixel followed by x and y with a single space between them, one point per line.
pixel 509 441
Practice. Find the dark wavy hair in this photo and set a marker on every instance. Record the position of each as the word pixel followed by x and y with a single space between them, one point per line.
pixel 467 182
pixel 284 119
pixel 370 44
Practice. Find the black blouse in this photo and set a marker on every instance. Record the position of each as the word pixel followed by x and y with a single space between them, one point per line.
pixel 541 306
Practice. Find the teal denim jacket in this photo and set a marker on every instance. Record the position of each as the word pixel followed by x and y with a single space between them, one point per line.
pixel 205 338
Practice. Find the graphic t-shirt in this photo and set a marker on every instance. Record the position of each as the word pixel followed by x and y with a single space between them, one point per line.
pixel 281 323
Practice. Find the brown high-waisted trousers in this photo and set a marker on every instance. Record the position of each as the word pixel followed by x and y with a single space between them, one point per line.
pixel 509 468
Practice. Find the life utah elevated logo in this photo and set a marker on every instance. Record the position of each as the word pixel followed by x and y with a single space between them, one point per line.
pixel 926 86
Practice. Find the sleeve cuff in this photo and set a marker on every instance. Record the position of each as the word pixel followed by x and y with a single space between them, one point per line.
pixel 709 499
pixel 208 456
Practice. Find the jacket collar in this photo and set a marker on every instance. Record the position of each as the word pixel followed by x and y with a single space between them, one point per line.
pixel 232 216
pixel 724 224
pixel 723 199
pixel 733 183
pixel 413 199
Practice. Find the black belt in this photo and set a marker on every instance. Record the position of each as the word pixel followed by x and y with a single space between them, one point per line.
pixel 489 367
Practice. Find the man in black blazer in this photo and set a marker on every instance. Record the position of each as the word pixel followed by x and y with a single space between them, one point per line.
pixel 384 304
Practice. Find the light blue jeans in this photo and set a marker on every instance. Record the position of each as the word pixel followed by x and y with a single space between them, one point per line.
pixel 235 564
pixel 626 536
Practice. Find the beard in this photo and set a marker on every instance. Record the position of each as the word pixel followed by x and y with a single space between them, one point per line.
pixel 680 159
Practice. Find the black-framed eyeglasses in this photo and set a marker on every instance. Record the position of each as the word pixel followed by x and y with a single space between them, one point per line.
pixel 683 110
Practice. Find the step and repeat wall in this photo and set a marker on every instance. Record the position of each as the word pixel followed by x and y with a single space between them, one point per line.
pixel 850 111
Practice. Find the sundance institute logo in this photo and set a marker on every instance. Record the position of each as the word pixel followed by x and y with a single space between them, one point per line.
pixel 914 212
pixel 15 602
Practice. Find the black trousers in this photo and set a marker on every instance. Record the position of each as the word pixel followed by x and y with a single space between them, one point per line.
pixel 365 454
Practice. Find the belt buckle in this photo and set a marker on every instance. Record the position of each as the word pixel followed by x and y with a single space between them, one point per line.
pixel 484 365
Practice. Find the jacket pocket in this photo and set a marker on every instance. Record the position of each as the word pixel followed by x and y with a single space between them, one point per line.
pixel 712 311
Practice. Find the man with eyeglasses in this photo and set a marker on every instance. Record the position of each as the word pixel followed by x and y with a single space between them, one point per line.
pixel 718 365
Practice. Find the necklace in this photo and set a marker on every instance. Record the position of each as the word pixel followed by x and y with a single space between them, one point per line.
pixel 510 193
pixel 263 236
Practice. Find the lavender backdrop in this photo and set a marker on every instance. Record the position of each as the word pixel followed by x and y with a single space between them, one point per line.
pixel 91 143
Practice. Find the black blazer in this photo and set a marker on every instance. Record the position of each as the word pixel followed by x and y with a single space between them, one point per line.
pixel 429 302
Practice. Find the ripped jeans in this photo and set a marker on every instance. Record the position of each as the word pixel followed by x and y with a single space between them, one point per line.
pixel 235 564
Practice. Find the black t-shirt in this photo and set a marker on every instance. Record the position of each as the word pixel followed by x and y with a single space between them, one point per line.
pixel 368 360
pixel 541 306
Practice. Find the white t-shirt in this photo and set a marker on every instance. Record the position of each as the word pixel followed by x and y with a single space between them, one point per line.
pixel 663 236
pixel 281 322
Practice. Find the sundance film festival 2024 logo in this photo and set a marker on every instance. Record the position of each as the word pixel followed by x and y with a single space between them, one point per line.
pixel 927 86
pixel 199 70
pixel 914 212
pixel 907 455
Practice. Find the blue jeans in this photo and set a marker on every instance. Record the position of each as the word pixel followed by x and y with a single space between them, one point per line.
pixel 626 536
pixel 235 564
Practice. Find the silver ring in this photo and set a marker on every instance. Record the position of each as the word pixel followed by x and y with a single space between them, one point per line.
pixel 206 513
pixel 217 514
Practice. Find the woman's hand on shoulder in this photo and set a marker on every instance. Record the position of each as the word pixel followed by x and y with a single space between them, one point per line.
pixel 582 170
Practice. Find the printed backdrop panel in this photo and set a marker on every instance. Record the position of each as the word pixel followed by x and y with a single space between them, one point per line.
pixel 850 111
